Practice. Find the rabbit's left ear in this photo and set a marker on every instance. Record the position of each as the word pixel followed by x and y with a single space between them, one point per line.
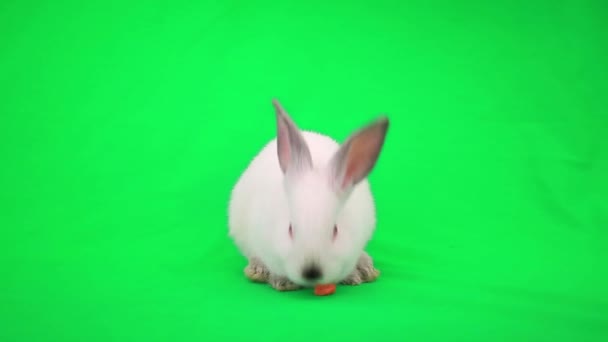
pixel 292 150
pixel 356 158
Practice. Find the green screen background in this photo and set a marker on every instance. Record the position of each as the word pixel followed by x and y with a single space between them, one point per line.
pixel 124 125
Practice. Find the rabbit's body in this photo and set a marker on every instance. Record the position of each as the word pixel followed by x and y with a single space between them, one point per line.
pixel 297 179
pixel 259 205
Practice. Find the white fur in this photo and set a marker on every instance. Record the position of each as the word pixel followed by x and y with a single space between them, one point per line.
pixel 265 201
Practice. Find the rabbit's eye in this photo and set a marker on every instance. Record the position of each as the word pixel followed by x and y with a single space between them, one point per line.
pixel 290 231
pixel 335 230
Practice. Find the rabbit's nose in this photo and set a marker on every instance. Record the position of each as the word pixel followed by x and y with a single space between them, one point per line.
pixel 311 273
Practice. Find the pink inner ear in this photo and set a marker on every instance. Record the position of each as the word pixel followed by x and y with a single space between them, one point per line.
pixel 348 176
pixel 361 156
pixel 283 145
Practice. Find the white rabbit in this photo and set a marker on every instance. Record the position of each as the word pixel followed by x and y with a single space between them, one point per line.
pixel 302 212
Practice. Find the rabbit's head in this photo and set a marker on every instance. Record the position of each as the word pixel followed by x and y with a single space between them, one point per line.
pixel 323 241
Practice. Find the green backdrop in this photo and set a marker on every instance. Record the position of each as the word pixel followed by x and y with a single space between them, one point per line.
pixel 124 125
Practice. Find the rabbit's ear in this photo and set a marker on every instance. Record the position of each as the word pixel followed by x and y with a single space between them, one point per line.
pixel 355 159
pixel 292 149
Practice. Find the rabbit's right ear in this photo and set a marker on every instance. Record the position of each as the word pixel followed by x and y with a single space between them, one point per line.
pixel 292 149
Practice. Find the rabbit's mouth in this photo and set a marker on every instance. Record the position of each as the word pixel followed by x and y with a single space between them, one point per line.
pixel 307 283
pixel 320 281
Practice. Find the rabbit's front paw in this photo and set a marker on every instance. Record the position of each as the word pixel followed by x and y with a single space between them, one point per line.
pixel 282 284
pixel 257 271
pixel 364 272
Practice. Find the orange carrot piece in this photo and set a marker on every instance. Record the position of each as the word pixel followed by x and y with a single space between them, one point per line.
pixel 324 290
